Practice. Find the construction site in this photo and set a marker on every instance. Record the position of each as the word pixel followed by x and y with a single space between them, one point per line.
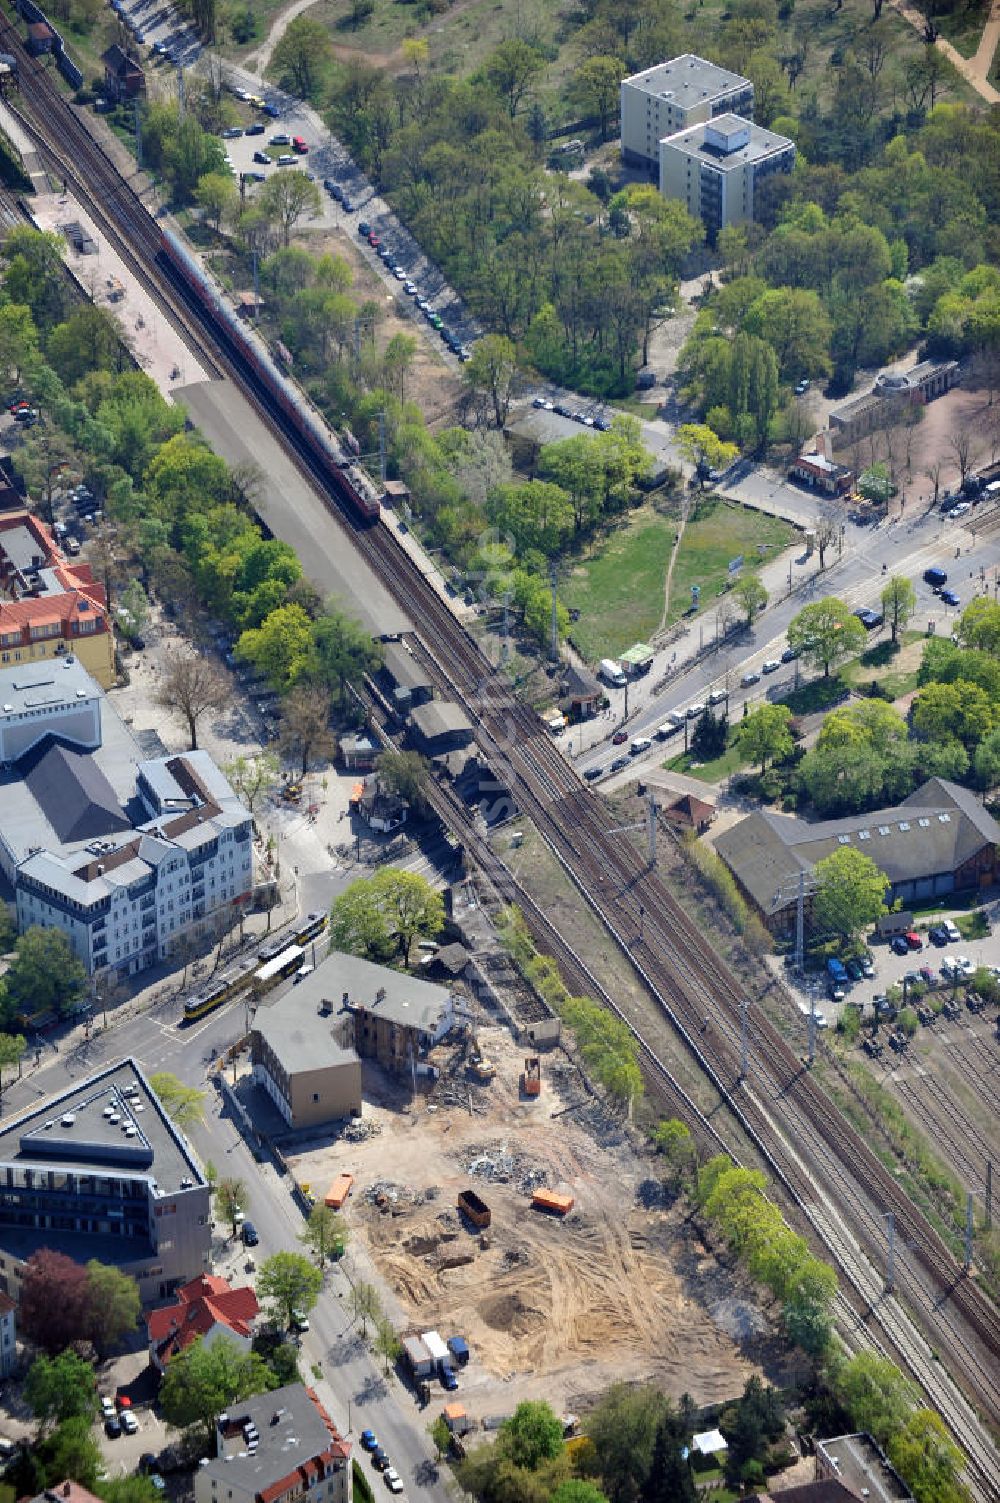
pixel 508 1205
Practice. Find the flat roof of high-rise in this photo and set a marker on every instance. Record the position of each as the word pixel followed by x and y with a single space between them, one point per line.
pixel 111 1123
pixel 687 80
pixel 699 141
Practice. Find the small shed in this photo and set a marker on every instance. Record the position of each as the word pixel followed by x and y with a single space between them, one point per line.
pixel 689 813
pixel 396 493
pixel 41 38
pixel 358 752
pixel 582 693
pixel 637 660
pixel 441 726
pixel 249 305
pixel 456 1419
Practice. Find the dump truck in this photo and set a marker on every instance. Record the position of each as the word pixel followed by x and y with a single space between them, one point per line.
pixel 338 1191
pixel 476 1209
pixel 552 1200
pixel 532 1077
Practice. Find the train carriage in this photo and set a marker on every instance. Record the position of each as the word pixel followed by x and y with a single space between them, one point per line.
pixel 347 477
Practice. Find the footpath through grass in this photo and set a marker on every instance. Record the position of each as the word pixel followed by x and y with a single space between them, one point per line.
pixel 618 588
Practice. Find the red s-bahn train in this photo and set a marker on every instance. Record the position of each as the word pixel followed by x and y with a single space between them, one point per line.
pixel 347 477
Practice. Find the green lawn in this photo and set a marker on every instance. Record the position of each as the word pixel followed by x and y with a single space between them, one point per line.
pixel 717 532
pixel 889 663
pixel 708 772
pixel 618 588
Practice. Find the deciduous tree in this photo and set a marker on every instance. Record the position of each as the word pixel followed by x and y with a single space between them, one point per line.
pixel 281 648
pixel 850 892
pixel 511 69
pixel 533 1434
pixel 406 774
pixel 305 724
pixel 290 1282
pixel 596 88
pixel 253 776
pixel 289 197
pixel 899 601
pixel 750 595
pixel 183 1104
pixel 230 1200
pixel 826 633
pixel 325 1232
pixel 202 1381
pixel 115 1305
pixel 58 1388
pixel 302 56
pixel 55 1301
pixel 391 908
pixel 44 975
pixel 191 687
pixel 489 375
pixel 764 735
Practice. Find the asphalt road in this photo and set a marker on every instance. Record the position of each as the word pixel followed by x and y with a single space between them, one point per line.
pixel 907 548
pixel 353 1386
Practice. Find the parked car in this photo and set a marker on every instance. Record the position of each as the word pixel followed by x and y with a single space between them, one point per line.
pixel 380 1459
pixel 286 159
pixel 262 157
pixel 232 132
pixel 300 145
pixel 770 665
pixel 393 1481
pixel 249 1233
pixel 368 1440
pixel 801 387
pixel 913 940
pixel 693 711
pixel 592 774
pixel 854 969
pixel 938 935
pixel 281 139
pixel 112 1426
pixel 716 696
pixel 619 763
pixel 256 129
pixel 869 619
pixel 639 745
pixel 748 679
pixel 950 598
pixel 951 930
pixel 935 577
pixel 129 1423
pixel 898 945
pixel 619 738
pixel 789 655
pixel 927 975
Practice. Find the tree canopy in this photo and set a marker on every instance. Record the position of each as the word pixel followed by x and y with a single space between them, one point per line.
pixel 381 915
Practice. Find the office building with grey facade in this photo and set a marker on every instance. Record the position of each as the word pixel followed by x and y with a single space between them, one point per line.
pixel 100 1171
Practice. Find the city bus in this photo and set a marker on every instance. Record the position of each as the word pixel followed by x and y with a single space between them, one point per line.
pixel 277 969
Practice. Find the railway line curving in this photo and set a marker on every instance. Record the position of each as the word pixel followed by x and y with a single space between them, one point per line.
pixel 674 958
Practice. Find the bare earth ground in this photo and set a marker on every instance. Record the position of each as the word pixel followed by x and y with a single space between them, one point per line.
pixel 554 1309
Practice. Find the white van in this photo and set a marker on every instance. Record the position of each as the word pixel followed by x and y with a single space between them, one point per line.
pixel 611 673
pixel 639 745
pixel 668 728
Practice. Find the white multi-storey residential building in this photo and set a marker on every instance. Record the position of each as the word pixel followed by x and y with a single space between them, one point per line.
pixel 671 97
pixel 716 168
pixel 126 854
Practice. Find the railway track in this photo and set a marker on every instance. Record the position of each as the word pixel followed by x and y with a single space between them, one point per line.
pixel 677 961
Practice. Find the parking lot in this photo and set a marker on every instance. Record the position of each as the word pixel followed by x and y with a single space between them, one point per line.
pixel 890 968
